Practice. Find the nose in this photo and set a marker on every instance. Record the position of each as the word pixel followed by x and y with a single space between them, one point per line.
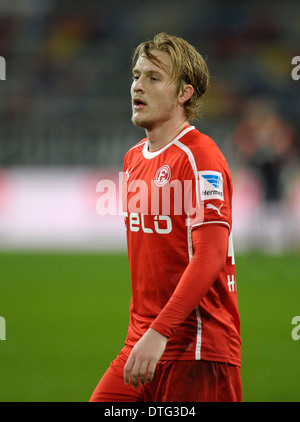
pixel 138 85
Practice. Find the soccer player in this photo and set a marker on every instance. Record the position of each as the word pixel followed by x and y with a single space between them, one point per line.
pixel 183 341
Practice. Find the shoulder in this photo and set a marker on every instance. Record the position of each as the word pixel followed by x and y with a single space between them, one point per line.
pixel 138 144
pixel 137 148
pixel 201 150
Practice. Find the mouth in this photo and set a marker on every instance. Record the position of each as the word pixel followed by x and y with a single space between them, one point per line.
pixel 138 104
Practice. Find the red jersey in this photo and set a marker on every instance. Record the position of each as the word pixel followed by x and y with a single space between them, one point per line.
pixel 167 194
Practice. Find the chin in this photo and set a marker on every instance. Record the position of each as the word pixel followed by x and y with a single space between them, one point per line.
pixel 141 123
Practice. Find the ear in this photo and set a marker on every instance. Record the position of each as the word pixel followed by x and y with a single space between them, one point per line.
pixel 185 93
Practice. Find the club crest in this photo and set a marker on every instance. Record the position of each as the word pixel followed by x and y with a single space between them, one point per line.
pixel 162 175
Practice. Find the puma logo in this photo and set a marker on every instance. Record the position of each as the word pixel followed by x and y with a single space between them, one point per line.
pixel 213 207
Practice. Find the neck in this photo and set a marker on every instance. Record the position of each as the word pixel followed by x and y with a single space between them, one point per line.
pixel 165 133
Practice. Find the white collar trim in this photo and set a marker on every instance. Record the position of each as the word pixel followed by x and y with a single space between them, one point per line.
pixel 149 155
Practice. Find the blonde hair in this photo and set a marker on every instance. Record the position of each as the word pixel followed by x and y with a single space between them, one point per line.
pixel 189 67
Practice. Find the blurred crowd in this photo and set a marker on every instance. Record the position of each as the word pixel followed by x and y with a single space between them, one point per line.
pixel 70 60
pixel 66 100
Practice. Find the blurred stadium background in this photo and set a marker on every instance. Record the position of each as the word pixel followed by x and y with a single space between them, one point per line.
pixel 65 125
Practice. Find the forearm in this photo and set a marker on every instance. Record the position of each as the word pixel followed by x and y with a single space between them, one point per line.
pixel 210 250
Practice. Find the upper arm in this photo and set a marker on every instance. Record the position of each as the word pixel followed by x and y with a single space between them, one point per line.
pixel 211 240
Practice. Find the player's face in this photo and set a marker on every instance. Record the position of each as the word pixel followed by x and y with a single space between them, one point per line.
pixel 154 99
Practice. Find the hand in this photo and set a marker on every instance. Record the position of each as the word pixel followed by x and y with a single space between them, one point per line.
pixel 144 357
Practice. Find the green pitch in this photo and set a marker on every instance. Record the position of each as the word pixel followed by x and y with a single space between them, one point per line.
pixel 66 318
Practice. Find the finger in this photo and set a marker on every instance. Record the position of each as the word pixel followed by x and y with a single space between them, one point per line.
pixel 135 373
pixel 127 369
pixel 151 370
pixel 143 371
